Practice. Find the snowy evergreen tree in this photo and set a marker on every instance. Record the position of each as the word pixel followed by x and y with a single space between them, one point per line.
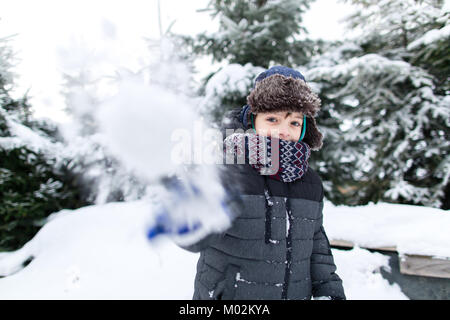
pixel 87 87
pixel 253 34
pixel 35 178
pixel 416 31
pixel 385 111
pixel 105 179
pixel 227 89
pixel 393 24
pixel 431 51
pixel 259 32
pixel 331 161
pixel 391 144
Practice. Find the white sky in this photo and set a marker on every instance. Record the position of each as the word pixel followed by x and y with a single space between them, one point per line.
pixel 44 27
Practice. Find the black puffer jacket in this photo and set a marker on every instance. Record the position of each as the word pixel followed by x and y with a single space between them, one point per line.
pixel 276 247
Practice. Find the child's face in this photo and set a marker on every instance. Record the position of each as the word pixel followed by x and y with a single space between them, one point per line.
pixel 288 125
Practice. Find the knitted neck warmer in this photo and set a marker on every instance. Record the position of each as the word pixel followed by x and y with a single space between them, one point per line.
pixel 289 164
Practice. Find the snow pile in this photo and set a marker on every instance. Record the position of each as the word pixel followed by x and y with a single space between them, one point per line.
pixel 98 252
pixel 101 252
pixel 411 229
pixel 359 271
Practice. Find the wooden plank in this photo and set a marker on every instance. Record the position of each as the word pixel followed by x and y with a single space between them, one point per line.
pixel 417 265
pixel 341 243
pixel 426 266
pixel 349 244
pixel 391 248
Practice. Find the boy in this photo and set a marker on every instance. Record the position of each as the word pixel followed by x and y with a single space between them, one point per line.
pixel 276 247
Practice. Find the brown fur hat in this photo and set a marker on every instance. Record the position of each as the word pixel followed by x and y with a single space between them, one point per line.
pixel 280 92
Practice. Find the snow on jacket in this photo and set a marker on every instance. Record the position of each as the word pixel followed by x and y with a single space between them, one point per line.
pixel 276 247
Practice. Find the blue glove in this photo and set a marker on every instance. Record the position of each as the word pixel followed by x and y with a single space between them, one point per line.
pixel 189 211
pixel 164 224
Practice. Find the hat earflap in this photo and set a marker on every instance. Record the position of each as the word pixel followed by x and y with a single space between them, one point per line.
pixel 313 137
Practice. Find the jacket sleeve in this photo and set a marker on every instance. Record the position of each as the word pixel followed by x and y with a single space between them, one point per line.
pixel 325 281
pixel 203 243
pixel 233 202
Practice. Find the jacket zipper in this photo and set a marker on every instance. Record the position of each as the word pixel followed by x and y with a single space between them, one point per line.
pixel 268 233
pixel 287 272
pixel 268 222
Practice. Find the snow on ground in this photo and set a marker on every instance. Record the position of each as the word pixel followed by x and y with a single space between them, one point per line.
pixel 101 252
pixel 98 252
pixel 359 271
pixel 412 229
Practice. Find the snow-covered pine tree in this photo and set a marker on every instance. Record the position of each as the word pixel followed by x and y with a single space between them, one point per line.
pixel 252 34
pixel 227 89
pixel 392 143
pixel 259 32
pixel 332 161
pixel 87 86
pixel 35 180
pixel 416 31
pixel 104 177
pixel 393 24
pixel 431 51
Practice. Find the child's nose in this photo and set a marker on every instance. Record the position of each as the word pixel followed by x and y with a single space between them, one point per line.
pixel 284 132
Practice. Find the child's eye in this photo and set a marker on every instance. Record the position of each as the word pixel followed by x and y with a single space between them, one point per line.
pixel 296 123
pixel 271 119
